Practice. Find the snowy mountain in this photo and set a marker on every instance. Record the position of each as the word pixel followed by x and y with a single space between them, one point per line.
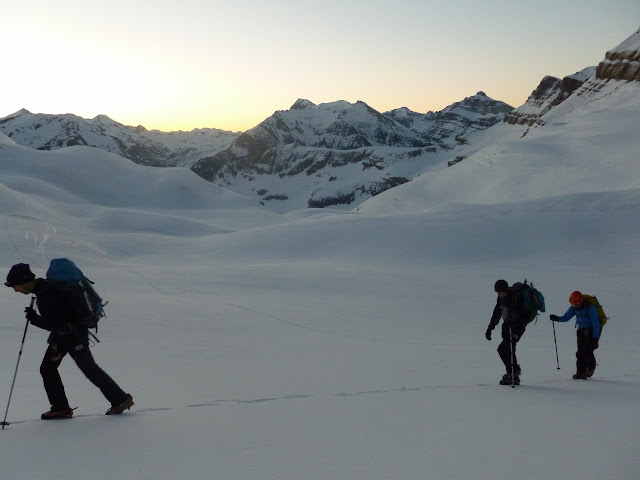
pixel 340 153
pixel 334 154
pixel 451 125
pixel 557 131
pixel 331 343
pixel 153 148
pixel 309 156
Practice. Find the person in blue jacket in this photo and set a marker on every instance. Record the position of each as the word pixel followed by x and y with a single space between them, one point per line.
pixel 588 333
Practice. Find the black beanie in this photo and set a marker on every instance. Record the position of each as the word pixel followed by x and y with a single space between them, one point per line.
pixel 19 274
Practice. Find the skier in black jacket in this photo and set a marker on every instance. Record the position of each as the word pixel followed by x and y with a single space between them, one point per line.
pixel 57 312
pixel 509 307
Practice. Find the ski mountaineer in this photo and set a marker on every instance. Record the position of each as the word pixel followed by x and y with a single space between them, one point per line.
pixel 588 333
pixel 56 313
pixel 509 307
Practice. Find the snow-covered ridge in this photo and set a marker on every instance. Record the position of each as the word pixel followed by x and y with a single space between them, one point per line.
pixel 573 140
pixel 154 148
pixel 474 113
pixel 340 153
pixel 331 154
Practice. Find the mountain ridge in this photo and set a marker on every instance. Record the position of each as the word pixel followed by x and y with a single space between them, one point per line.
pixel 340 153
pixel 331 154
pixel 142 146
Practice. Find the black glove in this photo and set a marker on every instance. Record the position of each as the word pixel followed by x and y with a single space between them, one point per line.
pixel 595 343
pixel 487 334
pixel 554 318
pixel 31 314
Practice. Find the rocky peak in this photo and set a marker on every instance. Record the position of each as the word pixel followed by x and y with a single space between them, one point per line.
pixel 302 104
pixel 478 105
pixel 20 113
pixel 105 120
pixel 452 124
pixel 550 92
pixel 622 62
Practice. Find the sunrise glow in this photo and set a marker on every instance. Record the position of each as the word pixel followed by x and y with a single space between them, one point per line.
pixel 184 65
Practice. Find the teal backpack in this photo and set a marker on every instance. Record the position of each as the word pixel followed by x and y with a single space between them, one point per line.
pixel 532 299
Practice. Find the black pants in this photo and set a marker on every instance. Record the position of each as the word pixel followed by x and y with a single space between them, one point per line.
pixel 585 359
pixel 508 345
pixel 78 348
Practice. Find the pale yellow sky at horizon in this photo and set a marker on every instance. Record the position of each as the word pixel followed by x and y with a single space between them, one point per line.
pixel 193 64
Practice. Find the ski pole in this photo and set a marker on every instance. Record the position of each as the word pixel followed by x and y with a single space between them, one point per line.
pixel 556 343
pixel 513 368
pixel 24 336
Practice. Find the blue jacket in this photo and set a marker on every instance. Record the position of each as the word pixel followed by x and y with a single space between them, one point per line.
pixel 585 317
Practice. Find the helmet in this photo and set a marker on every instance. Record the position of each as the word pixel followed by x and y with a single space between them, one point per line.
pixel 501 286
pixel 576 298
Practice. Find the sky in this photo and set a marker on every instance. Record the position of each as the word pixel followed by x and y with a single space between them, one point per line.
pixel 171 65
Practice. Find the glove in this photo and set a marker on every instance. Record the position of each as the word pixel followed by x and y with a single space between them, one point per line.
pixel 31 314
pixel 487 335
pixel 554 318
pixel 595 343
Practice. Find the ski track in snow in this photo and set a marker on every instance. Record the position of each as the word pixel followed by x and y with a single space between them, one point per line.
pixel 158 289
pixel 318 330
pixel 33 237
pixel 148 281
pixel 542 385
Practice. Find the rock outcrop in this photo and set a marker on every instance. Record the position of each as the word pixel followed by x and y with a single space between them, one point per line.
pixel 622 62
pixel 550 92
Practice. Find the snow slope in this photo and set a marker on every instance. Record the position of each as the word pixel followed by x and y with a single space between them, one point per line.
pixel 330 344
pixel 586 145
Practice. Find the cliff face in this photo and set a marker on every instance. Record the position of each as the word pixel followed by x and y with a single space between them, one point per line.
pixel 622 62
pixel 550 92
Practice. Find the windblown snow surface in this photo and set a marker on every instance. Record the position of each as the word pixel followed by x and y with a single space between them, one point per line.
pixel 325 344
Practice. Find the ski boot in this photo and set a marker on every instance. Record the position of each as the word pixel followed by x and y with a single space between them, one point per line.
pixel 506 380
pixel 126 404
pixel 62 414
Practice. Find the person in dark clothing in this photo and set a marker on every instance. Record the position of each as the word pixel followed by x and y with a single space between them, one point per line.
pixel 588 333
pixel 509 307
pixel 56 307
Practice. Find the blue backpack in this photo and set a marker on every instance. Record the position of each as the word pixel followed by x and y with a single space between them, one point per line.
pixel 532 299
pixel 87 304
